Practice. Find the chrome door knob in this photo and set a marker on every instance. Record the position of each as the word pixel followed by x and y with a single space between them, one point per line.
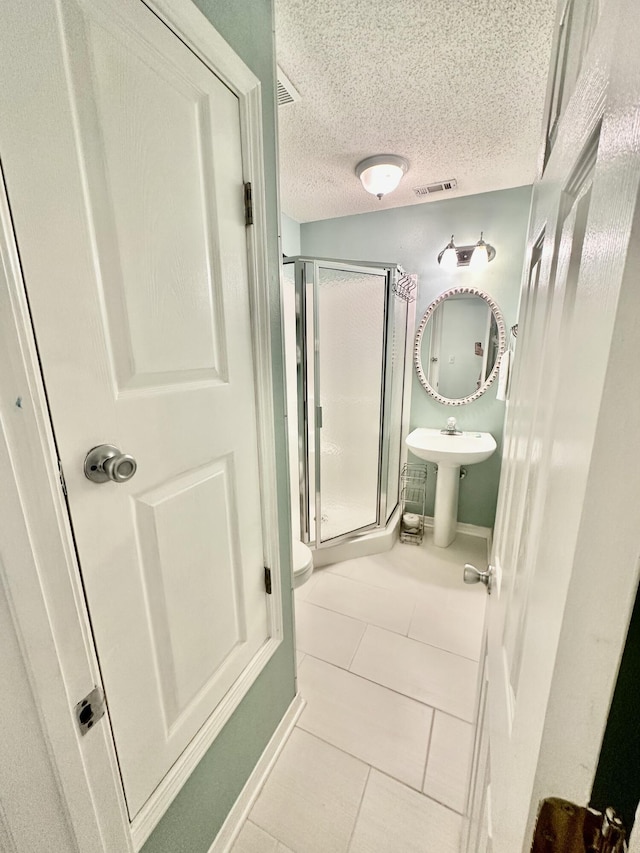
pixel 105 462
pixel 473 575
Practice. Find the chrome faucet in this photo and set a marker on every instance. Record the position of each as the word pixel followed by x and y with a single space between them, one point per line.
pixel 451 429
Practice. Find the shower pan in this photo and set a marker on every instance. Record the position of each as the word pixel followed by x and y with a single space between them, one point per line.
pixel 348 338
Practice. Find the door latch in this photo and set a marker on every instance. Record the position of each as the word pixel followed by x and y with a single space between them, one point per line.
pixel 89 710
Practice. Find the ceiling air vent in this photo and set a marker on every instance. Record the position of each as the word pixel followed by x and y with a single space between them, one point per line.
pixel 287 92
pixel 432 189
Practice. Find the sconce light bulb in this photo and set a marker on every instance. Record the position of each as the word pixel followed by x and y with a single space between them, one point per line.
pixel 449 259
pixel 480 255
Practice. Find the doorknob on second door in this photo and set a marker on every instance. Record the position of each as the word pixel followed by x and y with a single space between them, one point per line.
pixel 105 462
pixel 473 575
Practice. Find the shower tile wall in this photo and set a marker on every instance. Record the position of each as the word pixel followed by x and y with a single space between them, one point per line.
pixel 388 650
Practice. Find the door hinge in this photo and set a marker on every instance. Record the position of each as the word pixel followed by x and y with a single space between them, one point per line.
pixel 248 204
pixel 90 709
pixel 62 480
pixel 564 827
pixel 267 580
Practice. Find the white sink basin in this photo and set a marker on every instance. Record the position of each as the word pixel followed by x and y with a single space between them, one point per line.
pixel 451 450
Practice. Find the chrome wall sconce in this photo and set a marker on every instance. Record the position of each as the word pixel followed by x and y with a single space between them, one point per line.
pixel 381 174
pixel 476 257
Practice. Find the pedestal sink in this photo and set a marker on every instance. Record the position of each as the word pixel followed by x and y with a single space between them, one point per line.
pixel 449 452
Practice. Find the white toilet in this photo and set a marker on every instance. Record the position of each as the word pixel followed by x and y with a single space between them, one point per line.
pixel 302 563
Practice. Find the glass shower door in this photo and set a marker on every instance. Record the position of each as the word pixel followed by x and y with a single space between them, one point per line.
pixel 350 328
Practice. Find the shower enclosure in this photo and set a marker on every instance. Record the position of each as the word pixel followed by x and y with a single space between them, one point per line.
pixel 347 337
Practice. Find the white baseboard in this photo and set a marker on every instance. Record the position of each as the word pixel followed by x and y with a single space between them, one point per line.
pixel 470 529
pixel 240 810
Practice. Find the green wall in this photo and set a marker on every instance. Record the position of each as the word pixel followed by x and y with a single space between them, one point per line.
pixel 194 818
pixel 290 236
pixel 413 236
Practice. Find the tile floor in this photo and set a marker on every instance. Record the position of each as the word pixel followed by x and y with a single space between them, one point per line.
pixel 388 650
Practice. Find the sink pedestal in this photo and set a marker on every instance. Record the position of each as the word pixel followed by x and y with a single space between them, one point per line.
pixel 449 450
pixel 445 515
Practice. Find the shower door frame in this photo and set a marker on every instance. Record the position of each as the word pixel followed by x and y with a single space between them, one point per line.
pixel 308 415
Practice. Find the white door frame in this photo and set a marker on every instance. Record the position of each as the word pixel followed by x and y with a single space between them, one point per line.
pixel 44 584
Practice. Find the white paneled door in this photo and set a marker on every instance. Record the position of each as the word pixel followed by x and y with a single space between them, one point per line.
pixel 140 302
pixel 566 542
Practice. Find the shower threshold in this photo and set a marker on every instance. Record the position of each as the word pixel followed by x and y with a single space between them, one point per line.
pixel 361 545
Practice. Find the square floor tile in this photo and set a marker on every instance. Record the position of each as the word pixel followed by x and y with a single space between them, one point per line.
pixel 416 569
pixel 385 608
pixel 381 727
pixel 311 798
pixel 252 839
pixel 449 761
pixel 387 571
pixel 451 619
pixel 430 675
pixel 301 593
pixel 327 635
pixel 395 819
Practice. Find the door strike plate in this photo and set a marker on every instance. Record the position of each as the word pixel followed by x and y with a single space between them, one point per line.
pixel 89 710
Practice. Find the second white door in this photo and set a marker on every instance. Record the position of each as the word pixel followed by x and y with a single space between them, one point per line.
pixel 139 293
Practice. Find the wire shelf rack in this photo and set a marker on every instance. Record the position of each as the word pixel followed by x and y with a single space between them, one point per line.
pixel 413 497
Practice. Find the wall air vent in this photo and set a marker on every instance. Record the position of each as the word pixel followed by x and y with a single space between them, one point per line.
pixel 287 92
pixel 433 189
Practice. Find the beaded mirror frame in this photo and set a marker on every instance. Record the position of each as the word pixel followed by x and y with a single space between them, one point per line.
pixel 417 348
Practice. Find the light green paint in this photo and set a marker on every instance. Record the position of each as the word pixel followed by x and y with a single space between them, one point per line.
pixel 290 236
pixel 194 818
pixel 413 236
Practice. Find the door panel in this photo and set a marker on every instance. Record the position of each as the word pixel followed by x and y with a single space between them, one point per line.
pixel 149 123
pixel 556 617
pixel 164 294
pixel 577 24
pixel 183 528
pixel 549 302
pixel 573 223
pixel 146 342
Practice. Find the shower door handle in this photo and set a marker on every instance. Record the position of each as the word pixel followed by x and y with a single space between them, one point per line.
pixel 319 417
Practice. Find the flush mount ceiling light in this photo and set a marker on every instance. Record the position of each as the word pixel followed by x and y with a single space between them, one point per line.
pixel 476 257
pixel 381 174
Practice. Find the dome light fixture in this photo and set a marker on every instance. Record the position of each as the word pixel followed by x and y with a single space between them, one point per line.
pixel 381 174
pixel 477 256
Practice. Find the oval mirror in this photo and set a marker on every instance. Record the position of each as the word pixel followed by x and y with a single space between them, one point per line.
pixel 458 345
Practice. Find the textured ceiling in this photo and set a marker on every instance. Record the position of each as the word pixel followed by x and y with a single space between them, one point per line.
pixel 455 86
